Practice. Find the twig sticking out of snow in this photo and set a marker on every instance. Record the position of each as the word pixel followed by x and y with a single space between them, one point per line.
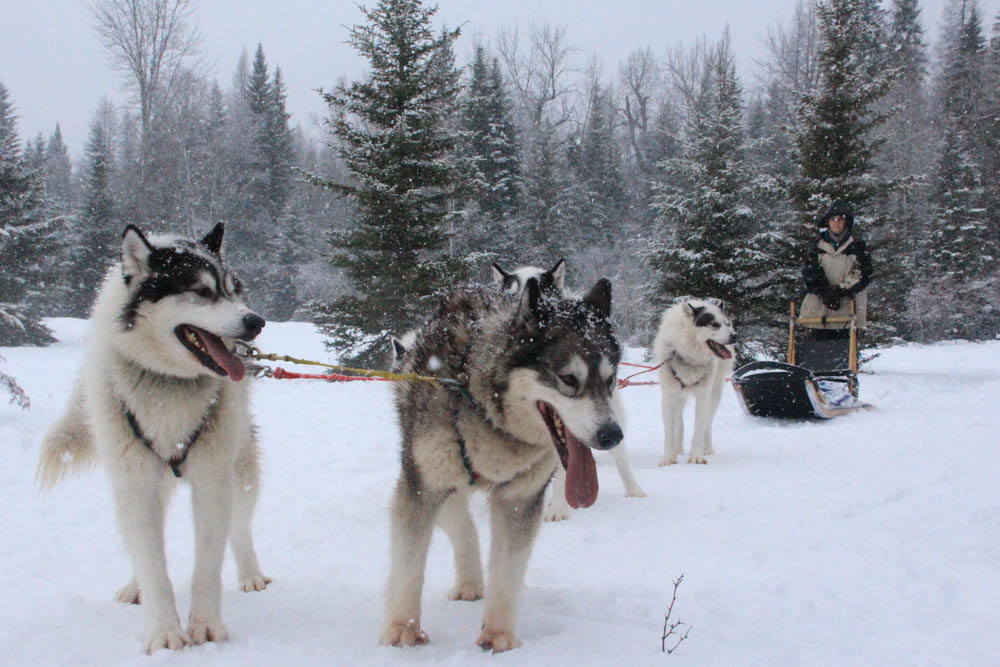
pixel 674 629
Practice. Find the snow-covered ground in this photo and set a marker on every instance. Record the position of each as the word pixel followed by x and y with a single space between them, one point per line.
pixel 873 539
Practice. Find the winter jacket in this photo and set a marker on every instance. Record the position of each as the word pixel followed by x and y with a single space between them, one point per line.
pixel 835 272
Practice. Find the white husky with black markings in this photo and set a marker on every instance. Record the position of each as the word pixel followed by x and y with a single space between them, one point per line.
pixel 160 398
pixel 512 282
pixel 693 349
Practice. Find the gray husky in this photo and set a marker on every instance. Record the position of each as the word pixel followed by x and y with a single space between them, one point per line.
pixel 534 381
pixel 553 280
pixel 160 398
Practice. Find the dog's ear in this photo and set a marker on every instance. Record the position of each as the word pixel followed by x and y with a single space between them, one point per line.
pixel 213 240
pixel 695 310
pixel 499 275
pixel 531 309
pixel 558 274
pixel 599 297
pixel 135 254
pixel 398 349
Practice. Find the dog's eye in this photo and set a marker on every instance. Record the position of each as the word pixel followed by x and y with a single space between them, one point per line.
pixel 205 292
pixel 570 381
pixel 716 325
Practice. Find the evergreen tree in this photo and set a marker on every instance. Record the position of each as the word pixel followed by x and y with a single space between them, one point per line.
pixel 58 173
pixel 549 203
pixel 711 245
pixel 596 163
pixel 96 231
pixel 490 152
pixel 391 129
pixel 24 236
pixel 836 143
pixel 955 299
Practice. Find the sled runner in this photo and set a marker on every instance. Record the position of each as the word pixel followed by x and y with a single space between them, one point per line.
pixel 818 387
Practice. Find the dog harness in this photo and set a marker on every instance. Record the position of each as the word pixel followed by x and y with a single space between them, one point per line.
pixel 674 355
pixel 174 462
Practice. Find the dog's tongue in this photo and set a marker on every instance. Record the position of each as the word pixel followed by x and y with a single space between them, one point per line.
pixel 229 362
pixel 581 474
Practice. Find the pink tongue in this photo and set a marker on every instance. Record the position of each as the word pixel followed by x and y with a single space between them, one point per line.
pixel 229 362
pixel 581 474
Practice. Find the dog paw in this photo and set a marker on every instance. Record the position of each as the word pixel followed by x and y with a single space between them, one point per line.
pixel 201 632
pixel 467 592
pixel 255 582
pixel 556 515
pixel 668 462
pixel 172 638
pixel 129 593
pixel 497 640
pixel 635 493
pixel 697 459
pixel 404 634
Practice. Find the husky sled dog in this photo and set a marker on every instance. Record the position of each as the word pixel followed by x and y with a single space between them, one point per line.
pixel 553 281
pixel 159 397
pixel 513 282
pixel 694 346
pixel 535 378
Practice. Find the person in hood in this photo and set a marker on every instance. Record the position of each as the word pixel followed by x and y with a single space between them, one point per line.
pixel 837 269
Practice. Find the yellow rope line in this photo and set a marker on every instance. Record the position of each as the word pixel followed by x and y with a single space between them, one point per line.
pixel 256 354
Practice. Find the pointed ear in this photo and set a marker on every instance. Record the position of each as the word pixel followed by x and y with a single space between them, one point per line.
pixel 213 240
pixel 498 274
pixel 398 349
pixel 599 297
pixel 531 304
pixel 695 310
pixel 558 273
pixel 135 254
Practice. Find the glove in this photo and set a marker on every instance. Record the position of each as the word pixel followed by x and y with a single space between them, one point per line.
pixel 831 298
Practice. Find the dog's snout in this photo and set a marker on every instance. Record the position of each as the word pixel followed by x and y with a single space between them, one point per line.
pixel 253 323
pixel 609 435
pixel 733 338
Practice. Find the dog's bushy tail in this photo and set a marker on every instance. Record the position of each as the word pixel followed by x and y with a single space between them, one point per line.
pixel 68 447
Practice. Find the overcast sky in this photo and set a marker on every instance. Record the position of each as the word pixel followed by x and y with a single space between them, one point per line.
pixel 56 72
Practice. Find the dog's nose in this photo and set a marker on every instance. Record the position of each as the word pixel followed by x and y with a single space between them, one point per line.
pixel 253 323
pixel 609 435
pixel 733 338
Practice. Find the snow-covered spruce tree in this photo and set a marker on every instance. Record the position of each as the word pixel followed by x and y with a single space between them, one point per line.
pixel 906 157
pixel 836 142
pixel 490 155
pixel 96 229
pixel 392 131
pixel 956 295
pixel 711 244
pixel 597 167
pixel 549 210
pixel 25 234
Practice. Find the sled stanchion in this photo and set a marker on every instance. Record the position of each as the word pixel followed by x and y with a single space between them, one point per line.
pixel 791 334
pixel 852 361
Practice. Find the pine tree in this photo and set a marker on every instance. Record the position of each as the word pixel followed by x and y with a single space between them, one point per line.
pixel 712 244
pixel 392 131
pixel 96 230
pixel 490 152
pixel 58 173
pixel 836 140
pixel 596 162
pixel 954 299
pixel 24 235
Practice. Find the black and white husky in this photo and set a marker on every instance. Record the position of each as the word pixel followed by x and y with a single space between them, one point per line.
pixel 512 282
pixel 693 347
pixel 160 399
pixel 534 385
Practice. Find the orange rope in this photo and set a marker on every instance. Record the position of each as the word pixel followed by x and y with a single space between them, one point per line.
pixel 624 382
pixel 281 374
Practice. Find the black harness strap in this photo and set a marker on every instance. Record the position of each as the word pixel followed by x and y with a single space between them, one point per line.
pixel 175 461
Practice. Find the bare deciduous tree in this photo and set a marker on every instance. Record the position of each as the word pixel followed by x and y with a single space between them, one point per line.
pixel 541 75
pixel 639 74
pixel 147 40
